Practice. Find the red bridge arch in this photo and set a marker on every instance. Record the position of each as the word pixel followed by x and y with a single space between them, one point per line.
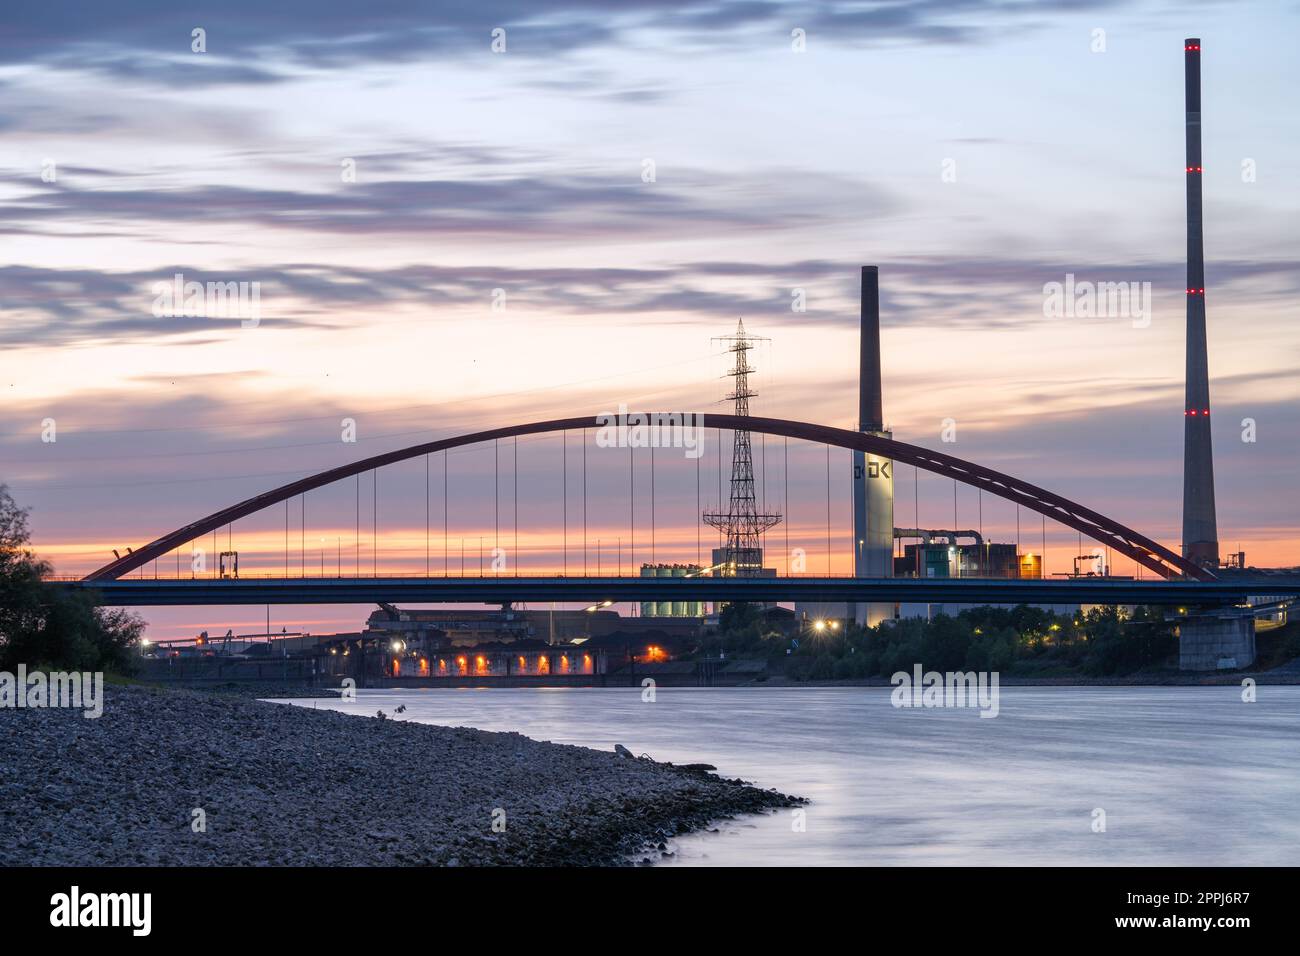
pixel 1146 552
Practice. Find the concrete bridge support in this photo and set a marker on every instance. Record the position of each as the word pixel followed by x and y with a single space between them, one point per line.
pixel 1212 642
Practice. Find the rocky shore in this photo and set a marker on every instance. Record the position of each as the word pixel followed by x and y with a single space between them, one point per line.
pixel 179 777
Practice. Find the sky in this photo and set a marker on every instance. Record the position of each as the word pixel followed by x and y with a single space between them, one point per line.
pixel 462 218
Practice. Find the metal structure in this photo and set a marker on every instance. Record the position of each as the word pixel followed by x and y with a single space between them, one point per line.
pixel 140 592
pixel 1096 526
pixel 742 524
pixel 1200 527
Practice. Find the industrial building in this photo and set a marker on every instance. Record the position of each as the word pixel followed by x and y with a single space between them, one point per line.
pixel 939 554
pixel 440 628
pixel 680 609
pixel 514 642
pixel 936 553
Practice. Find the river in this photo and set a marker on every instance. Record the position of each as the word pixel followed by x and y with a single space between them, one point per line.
pixel 1178 775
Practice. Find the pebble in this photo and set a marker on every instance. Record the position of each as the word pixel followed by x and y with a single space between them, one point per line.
pixel 281 785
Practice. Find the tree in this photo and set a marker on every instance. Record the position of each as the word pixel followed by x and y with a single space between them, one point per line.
pixel 48 627
pixel 738 616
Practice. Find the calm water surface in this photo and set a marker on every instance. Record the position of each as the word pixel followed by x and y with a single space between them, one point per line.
pixel 1186 775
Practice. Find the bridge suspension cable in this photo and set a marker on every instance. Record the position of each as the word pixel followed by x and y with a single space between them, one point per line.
pixel 785 491
pixel 584 502
pixel 446 534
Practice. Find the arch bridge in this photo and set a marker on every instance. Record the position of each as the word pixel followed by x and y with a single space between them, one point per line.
pixel 1105 530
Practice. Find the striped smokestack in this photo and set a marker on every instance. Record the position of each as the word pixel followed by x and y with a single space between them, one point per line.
pixel 1200 528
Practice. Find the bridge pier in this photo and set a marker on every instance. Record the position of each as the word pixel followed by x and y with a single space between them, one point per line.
pixel 1210 642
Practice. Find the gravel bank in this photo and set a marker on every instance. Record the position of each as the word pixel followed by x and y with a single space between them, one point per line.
pixel 283 785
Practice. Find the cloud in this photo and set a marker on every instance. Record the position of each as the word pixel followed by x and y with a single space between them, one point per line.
pixel 561 204
pixel 178 72
pixel 253 42
pixel 46 306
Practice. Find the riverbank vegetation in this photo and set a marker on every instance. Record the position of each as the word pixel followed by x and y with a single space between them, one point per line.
pixel 1277 646
pixel 48 628
pixel 1021 641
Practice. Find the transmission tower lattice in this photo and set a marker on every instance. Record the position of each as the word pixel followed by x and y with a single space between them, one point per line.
pixel 742 524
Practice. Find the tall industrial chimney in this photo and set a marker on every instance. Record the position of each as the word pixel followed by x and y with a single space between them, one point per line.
pixel 871 416
pixel 1200 528
pixel 873 478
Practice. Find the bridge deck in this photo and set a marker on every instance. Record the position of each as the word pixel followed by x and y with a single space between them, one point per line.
pixel 140 592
